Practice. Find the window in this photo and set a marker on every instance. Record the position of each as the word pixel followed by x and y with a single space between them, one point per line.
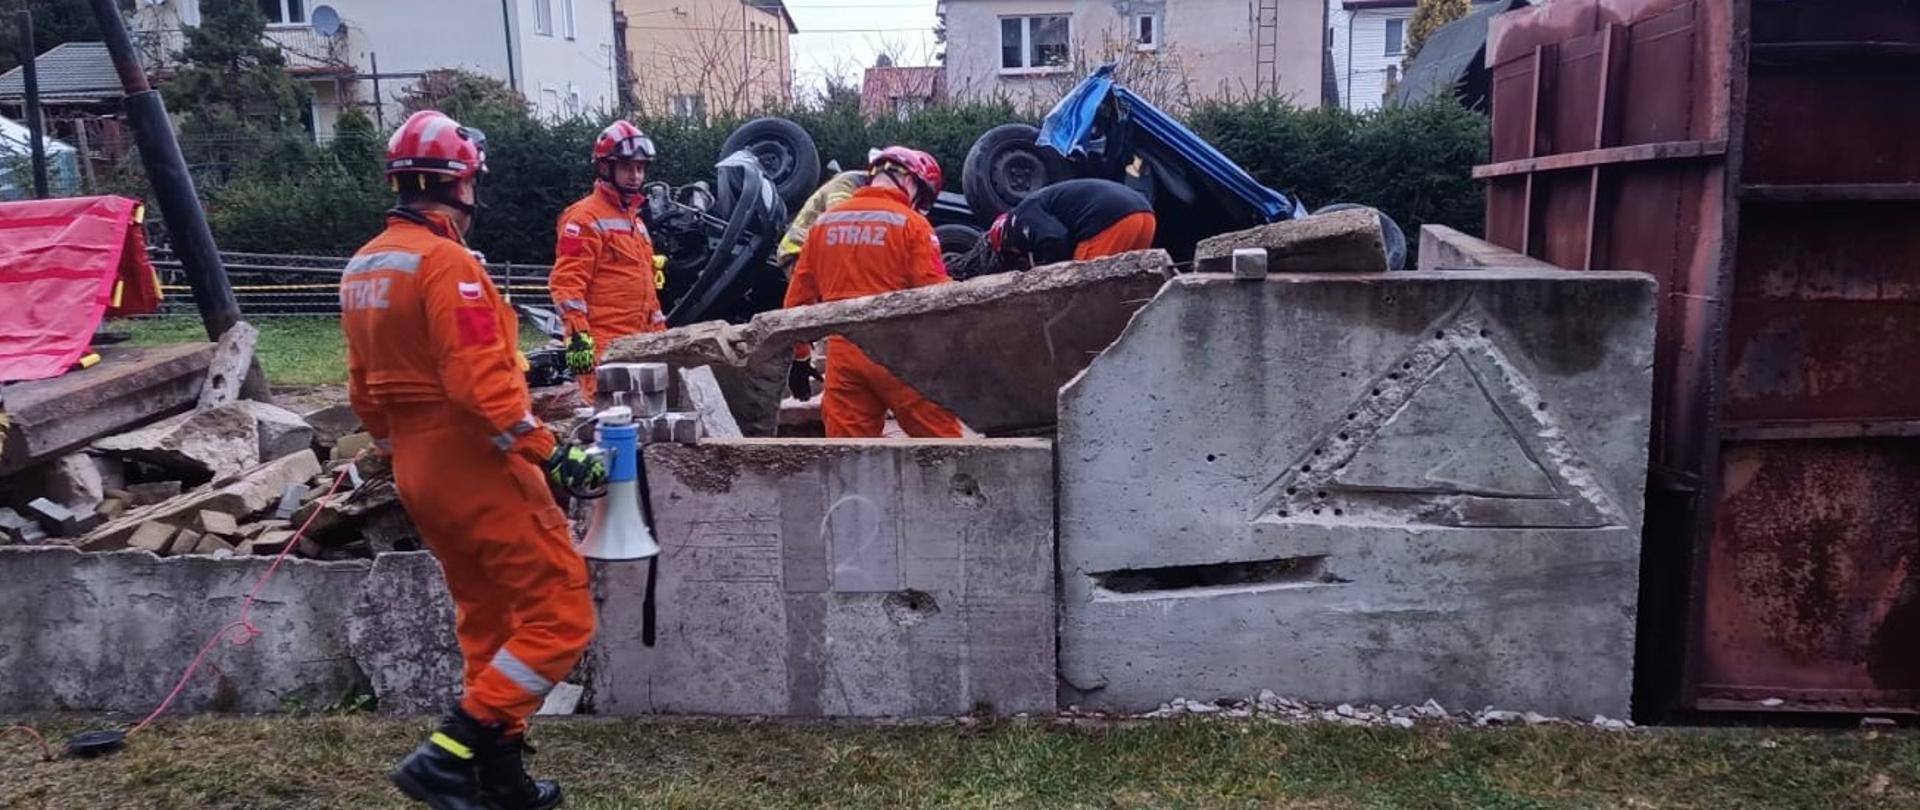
pixel 567 22
pixel 692 106
pixel 904 107
pixel 1146 33
pixel 1033 44
pixel 1396 36
pixel 284 12
pixel 543 17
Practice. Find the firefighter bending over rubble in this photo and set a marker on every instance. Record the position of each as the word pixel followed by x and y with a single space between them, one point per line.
pixel 434 374
pixel 877 241
pixel 1075 219
pixel 604 279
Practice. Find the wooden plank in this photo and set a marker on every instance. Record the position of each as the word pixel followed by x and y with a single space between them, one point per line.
pixel 1637 153
pixel 1833 192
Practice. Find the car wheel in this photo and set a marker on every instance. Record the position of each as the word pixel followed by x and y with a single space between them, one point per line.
pixel 956 241
pixel 1390 232
pixel 1004 166
pixel 785 150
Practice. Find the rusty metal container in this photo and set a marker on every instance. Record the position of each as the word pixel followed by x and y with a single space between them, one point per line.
pixel 1762 159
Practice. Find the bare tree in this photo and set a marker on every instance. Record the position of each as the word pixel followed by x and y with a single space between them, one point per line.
pixel 734 66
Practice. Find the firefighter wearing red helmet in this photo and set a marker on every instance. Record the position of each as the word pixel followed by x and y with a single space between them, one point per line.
pixel 434 374
pixel 604 279
pixel 877 241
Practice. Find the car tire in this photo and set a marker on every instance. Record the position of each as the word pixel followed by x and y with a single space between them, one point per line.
pixel 956 240
pixel 785 150
pixel 1390 232
pixel 1004 166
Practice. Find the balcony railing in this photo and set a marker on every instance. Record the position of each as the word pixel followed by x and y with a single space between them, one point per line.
pixel 306 50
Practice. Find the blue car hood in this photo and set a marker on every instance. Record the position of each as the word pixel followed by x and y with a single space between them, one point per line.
pixel 1069 126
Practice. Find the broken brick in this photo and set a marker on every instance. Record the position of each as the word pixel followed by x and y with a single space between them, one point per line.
pixel 152 536
pixel 184 542
pixel 220 523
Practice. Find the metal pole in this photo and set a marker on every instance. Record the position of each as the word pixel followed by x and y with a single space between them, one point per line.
pixel 167 172
pixel 30 71
pixel 379 104
pixel 506 25
pixel 86 153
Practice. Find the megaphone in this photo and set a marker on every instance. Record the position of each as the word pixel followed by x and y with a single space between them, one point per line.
pixel 618 530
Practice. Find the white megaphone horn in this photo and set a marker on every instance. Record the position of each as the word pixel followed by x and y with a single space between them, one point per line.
pixel 618 531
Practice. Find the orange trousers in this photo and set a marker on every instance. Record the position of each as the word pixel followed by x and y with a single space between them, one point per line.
pixel 1132 232
pixel 522 609
pixel 859 392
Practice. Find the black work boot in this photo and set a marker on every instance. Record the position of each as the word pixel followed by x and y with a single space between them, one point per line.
pixel 505 783
pixel 444 771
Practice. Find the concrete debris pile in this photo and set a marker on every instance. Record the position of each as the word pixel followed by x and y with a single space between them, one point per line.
pixel 1274 708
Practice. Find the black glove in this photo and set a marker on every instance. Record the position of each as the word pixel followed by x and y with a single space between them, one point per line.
pixel 581 473
pixel 800 377
pixel 580 353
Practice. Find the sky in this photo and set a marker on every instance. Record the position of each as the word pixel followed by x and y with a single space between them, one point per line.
pixel 843 37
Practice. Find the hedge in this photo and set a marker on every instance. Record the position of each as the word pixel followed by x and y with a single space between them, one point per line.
pixel 1412 162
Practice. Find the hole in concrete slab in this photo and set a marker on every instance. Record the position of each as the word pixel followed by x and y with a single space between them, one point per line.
pixel 1483 333
pixel 909 607
pixel 1338 512
pixel 1321 495
pixel 1439 336
pixel 1407 366
pixel 1291 490
pixel 1376 392
pixel 1211 457
pixel 1394 376
pixel 1282 571
pixel 1352 416
pixel 965 490
pixel 1343 437
pixel 1542 405
pixel 1306 468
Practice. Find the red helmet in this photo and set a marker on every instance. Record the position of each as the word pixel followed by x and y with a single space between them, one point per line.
pixel 621 140
pixel 431 143
pixel 997 233
pixel 916 164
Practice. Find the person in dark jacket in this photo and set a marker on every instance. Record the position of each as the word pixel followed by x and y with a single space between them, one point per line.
pixel 1074 219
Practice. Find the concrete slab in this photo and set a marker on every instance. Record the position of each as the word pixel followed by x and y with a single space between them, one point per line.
pixel 400 631
pixel 994 350
pixel 701 390
pixel 248 493
pixel 1374 488
pixel 113 632
pixel 1348 241
pixel 876 578
pixel 213 443
pixel 131 385
pixel 1443 248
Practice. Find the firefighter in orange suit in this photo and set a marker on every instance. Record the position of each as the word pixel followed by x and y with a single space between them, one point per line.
pixel 603 279
pixel 433 373
pixel 877 241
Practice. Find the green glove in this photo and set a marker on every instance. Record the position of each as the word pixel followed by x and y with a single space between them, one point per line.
pixel 580 353
pixel 573 468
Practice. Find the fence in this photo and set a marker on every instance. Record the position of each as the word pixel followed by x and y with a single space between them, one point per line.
pixel 277 284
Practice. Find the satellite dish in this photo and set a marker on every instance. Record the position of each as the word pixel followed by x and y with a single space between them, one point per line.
pixel 326 21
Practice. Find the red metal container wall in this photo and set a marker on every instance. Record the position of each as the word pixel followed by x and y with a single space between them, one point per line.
pixel 1759 158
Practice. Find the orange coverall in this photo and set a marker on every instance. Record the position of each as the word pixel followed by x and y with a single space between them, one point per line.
pixel 1133 232
pixel 433 373
pixel 873 243
pixel 603 280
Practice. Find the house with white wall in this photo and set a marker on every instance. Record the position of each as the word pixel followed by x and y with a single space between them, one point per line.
pixel 1178 51
pixel 367 53
pixel 1368 39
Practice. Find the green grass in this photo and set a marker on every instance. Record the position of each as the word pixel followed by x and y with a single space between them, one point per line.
pixel 341 761
pixel 300 350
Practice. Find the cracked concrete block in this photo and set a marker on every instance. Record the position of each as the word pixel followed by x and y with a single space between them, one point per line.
pixel 282 432
pixel 838 579
pixel 994 350
pixel 704 397
pixel 232 360
pixel 331 422
pixel 1348 241
pixel 76 481
pixel 251 492
pixel 401 633
pixel 213 443
pixel 1369 488
pixel 113 632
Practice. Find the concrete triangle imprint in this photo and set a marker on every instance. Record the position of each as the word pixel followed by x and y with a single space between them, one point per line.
pixel 1452 435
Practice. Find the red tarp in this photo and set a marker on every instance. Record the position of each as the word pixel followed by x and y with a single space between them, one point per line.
pixel 63 265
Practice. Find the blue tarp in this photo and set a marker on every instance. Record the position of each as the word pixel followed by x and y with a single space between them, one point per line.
pixel 1069 128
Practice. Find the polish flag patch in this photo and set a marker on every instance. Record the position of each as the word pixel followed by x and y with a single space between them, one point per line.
pixel 470 290
pixel 570 240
